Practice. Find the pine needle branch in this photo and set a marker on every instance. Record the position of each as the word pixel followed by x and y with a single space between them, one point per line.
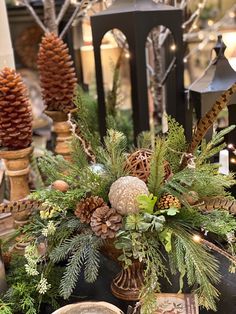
pixel 157 171
pixel 113 154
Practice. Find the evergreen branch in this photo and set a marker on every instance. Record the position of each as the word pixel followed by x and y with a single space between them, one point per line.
pixel 72 273
pixel 213 147
pixel 92 259
pixel 113 154
pixel 201 267
pixel 157 171
pixel 176 144
pixel 62 251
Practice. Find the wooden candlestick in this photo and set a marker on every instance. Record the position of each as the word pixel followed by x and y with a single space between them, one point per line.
pixel 17 169
pixel 62 129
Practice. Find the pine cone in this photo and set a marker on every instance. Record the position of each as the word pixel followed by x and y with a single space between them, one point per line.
pixel 167 201
pixel 87 206
pixel 105 222
pixel 15 111
pixel 57 75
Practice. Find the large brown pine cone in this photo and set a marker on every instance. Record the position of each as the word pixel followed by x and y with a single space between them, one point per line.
pixel 105 222
pixel 15 111
pixel 57 74
pixel 87 206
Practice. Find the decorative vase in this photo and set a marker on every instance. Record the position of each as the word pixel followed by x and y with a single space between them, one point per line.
pixel 62 129
pixel 129 282
pixel 89 307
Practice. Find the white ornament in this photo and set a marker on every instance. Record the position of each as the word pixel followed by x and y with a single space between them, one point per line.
pixel 123 194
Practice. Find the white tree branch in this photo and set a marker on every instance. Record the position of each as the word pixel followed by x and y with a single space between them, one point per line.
pixel 34 14
pixel 63 10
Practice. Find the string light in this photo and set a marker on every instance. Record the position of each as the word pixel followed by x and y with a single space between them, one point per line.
pixel 185 60
pixel 233 160
pixel 231 146
pixel 127 55
pixel 173 47
pixel 210 22
pixel 231 14
pixel 198 239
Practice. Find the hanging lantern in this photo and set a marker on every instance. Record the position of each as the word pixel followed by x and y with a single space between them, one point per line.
pixel 217 78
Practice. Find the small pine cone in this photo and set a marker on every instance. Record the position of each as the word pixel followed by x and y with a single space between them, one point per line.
pixel 57 74
pixel 105 222
pixel 167 201
pixel 87 206
pixel 15 111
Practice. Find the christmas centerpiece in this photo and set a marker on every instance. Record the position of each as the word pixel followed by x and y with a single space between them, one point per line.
pixel 150 210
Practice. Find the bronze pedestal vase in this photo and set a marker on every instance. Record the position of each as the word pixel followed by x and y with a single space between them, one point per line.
pixel 129 282
pixel 62 128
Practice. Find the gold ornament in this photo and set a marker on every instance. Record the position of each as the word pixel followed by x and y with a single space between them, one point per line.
pixel 60 185
pixel 123 194
pixel 167 201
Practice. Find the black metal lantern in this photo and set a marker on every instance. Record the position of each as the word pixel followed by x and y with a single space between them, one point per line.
pixel 218 77
pixel 136 18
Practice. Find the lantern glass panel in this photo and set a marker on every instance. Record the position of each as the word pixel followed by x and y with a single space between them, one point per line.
pixel 115 59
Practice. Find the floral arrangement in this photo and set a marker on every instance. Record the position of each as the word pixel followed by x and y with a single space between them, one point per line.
pixel 153 204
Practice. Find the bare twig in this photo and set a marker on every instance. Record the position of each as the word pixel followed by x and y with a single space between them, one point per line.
pixel 78 9
pixel 169 69
pixel 34 14
pixel 62 12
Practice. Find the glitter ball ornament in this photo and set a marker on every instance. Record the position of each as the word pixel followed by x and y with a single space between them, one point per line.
pixel 87 206
pixel 167 201
pixel 60 185
pixel 105 222
pixel 123 194
pixel 138 165
pixel 57 74
pixel 15 111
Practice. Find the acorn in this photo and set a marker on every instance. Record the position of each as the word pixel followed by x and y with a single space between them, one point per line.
pixel 60 185
pixel 191 197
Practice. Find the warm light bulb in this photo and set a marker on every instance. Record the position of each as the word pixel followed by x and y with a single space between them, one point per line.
pixel 197 238
pixel 233 160
pixel 201 5
pixel 173 47
pixel 127 55
pixel 231 14
pixel 194 26
pixel 185 60
pixel 210 22
pixel 201 35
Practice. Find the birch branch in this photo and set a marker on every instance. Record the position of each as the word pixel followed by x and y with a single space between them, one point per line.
pixel 169 69
pixel 34 14
pixel 50 16
pixel 81 7
pixel 62 12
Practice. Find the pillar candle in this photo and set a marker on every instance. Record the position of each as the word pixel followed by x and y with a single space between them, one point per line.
pixel 224 161
pixel 6 51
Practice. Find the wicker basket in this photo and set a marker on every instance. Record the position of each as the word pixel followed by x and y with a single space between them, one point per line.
pixel 89 308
